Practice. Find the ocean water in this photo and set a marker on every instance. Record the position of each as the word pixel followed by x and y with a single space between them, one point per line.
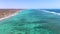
pixel 31 21
pixel 54 10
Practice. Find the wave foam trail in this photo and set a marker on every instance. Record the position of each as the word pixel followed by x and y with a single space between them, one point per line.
pixel 51 12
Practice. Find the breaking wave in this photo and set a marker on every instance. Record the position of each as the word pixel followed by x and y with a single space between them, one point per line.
pixel 51 12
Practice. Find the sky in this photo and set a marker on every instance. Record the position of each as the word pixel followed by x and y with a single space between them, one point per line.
pixel 30 4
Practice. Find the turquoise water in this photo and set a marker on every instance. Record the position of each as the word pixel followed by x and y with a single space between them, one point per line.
pixel 31 21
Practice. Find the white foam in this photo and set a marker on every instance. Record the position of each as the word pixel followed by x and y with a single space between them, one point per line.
pixel 9 16
pixel 51 12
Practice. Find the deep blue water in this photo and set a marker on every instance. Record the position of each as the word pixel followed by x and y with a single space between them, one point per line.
pixel 54 10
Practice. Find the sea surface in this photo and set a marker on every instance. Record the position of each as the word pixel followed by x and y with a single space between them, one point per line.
pixel 53 10
pixel 32 21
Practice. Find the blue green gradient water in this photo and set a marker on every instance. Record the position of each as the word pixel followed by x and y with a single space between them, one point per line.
pixel 31 21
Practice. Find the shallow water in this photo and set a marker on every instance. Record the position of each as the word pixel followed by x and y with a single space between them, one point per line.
pixel 31 21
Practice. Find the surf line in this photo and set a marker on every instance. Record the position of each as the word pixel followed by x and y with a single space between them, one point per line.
pixel 9 16
pixel 51 12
